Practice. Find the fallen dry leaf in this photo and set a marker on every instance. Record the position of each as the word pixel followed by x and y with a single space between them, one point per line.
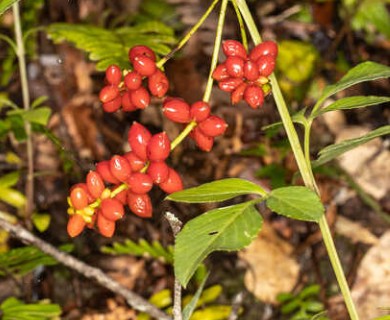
pixel 354 231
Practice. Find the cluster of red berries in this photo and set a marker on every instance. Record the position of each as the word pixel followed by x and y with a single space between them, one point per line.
pixel 129 178
pixel 208 126
pixel 130 94
pixel 244 75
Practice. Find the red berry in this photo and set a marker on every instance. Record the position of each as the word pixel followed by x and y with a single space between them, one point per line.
pixel 176 110
pixel 112 209
pixel 121 196
pixel 263 49
pixel 127 105
pixel 159 147
pixel 266 65
pixel 235 66
pixel 108 93
pixel 204 142
pixel 91 224
pixel 120 168
pixel 138 138
pixel 200 111
pixel 103 168
pixel 136 163
pixel 230 84
pixel 79 198
pixel 233 48
pixel 95 184
pixel 220 72
pixel 113 75
pixel 144 65
pixel 76 225
pixel 140 183
pixel 251 71
pixel 105 226
pixel 158 84
pixel 113 105
pixel 141 51
pixel 173 183
pixel 140 204
pixel 133 80
pixel 140 98
pixel 213 126
pixel 254 96
pixel 238 93
pixel 158 171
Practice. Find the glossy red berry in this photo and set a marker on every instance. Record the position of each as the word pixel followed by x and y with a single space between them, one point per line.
pixel 235 66
pixel 76 225
pixel 176 110
pixel 263 49
pixel 233 48
pixel 220 72
pixel 127 104
pixel 108 93
pixel 133 80
pixel 251 70
pixel 113 105
pixel 159 147
pixel 158 84
pixel 121 196
pixel 254 96
pixel 140 98
pixel 136 163
pixel 140 183
pixel 203 142
pixel 158 171
pixel 230 84
pixel 238 93
pixel 138 138
pixel 173 183
pixel 144 65
pixel 120 168
pixel 213 126
pixel 200 111
pixel 105 226
pixel 103 168
pixel 140 204
pixel 141 50
pixel 113 75
pixel 79 198
pixel 112 209
pixel 266 65
pixel 95 184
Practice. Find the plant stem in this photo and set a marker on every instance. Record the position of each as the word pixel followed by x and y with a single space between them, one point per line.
pixel 26 104
pixel 244 38
pixel 304 169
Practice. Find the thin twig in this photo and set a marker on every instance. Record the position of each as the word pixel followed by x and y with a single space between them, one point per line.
pixel 133 299
pixel 236 305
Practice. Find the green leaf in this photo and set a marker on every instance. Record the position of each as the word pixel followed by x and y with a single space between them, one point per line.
pixel 190 307
pixel 9 179
pixel 296 202
pixel 13 309
pixel 352 103
pixel 161 299
pixel 41 221
pixel 117 42
pixel 5 5
pixel 39 101
pixel 312 290
pixel 313 306
pixel 290 306
pixel 219 312
pixel 13 197
pixel 335 150
pixel 298 117
pixel 365 71
pixel 39 115
pixel 217 191
pixel 229 228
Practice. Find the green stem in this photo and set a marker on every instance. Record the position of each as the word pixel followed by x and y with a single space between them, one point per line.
pixel 188 35
pixel 183 134
pixel 306 143
pixel 304 169
pixel 20 52
pixel 217 45
pixel 241 24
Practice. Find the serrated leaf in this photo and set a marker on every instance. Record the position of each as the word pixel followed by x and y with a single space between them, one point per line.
pixel 216 191
pixel 352 103
pixel 365 71
pixel 13 197
pixel 5 5
pixel 9 179
pixel 117 42
pixel 296 202
pixel 41 221
pixel 229 228
pixel 335 150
